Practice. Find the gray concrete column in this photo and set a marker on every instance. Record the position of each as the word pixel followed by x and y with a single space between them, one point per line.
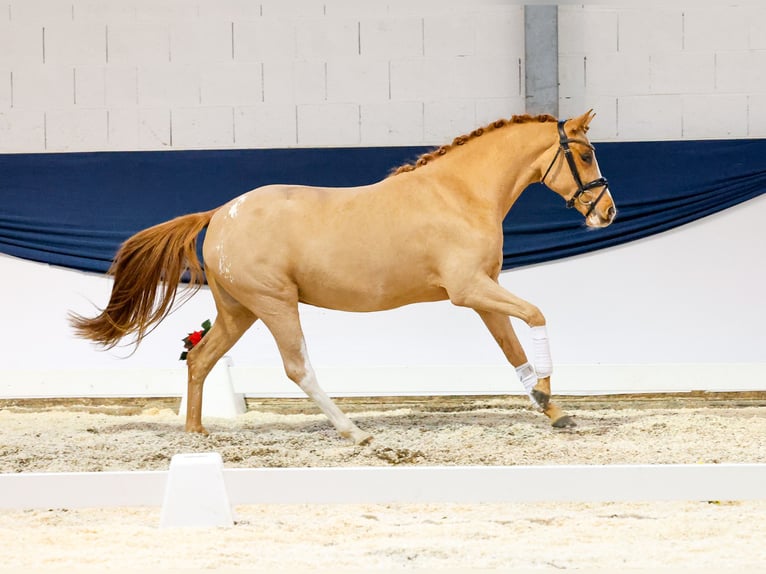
pixel 541 60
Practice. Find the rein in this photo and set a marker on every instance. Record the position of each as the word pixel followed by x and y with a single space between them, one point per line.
pixel 564 142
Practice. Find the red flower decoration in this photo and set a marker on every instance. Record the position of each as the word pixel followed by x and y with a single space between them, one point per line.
pixel 193 339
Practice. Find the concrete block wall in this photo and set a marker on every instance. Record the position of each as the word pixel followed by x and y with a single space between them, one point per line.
pixel 177 74
pixel 665 72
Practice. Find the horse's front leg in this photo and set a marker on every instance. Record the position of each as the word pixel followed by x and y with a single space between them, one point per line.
pixel 494 305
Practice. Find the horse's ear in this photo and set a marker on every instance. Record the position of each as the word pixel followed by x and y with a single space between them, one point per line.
pixel 582 122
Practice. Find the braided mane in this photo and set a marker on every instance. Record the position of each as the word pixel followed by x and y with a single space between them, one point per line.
pixel 461 140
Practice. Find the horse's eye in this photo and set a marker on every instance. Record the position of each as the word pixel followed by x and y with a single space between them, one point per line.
pixel 587 158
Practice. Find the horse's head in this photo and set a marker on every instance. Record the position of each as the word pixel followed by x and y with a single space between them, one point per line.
pixel 573 173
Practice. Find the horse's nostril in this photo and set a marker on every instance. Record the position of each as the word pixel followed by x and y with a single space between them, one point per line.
pixel 611 212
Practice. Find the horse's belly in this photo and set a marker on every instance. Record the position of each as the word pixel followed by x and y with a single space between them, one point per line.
pixel 366 293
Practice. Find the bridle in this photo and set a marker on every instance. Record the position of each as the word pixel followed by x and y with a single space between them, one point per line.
pixel 564 142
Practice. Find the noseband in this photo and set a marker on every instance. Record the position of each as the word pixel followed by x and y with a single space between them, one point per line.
pixel 564 142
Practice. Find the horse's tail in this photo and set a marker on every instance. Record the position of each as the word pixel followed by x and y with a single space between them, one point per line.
pixel 157 255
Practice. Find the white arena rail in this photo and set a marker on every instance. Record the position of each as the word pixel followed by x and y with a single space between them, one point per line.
pixel 376 485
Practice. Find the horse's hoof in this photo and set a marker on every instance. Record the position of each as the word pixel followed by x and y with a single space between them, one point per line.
pixel 357 436
pixel 564 422
pixel 197 429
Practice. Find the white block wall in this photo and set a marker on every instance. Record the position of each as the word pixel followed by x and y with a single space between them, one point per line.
pixel 674 71
pixel 167 74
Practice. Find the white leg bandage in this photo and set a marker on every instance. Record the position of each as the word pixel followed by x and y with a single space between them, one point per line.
pixel 543 363
pixel 527 376
pixel 528 379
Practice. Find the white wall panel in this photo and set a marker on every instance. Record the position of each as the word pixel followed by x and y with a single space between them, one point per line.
pixel 723 113
pixel 650 117
pixel 90 86
pixel 682 73
pixel 75 43
pixel 20 44
pixel 331 124
pixel 201 41
pixel 168 84
pixel 21 129
pixel 43 87
pixel 200 127
pixel 231 83
pixel 391 123
pixel 357 79
pixel 265 125
pixel 78 129
pixel 468 57
pixel 391 38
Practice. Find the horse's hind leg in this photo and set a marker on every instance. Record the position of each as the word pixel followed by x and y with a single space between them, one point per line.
pixel 539 390
pixel 230 324
pixel 284 323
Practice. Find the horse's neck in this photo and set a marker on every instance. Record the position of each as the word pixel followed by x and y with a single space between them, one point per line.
pixel 497 166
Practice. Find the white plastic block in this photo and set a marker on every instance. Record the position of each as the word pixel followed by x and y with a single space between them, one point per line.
pixel 168 84
pixel 20 44
pixel 444 120
pixel 357 80
pixel 392 123
pixel 195 493
pixel 587 29
pixel 391 38
pixel 682 73
pixel 450 35
pixel 218 396
pixel 650 30
pixel 22 130
pixel 89 86
pixel 43 87
pixel 201 41
pixel 77 44
pixel 326 39
pixel 76 130
pixel 203 127
pixel 330 124
pixel 231 84
pixel 264 40
pixel 265 125
pixel 714 29
pixel 294 82
pixel 715 116
pixel 655 117
pixel 138 43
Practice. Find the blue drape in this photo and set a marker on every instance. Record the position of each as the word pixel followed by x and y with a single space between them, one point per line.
pixel 74 210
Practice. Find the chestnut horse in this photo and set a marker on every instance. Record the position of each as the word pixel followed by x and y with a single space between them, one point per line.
pixel 431 231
